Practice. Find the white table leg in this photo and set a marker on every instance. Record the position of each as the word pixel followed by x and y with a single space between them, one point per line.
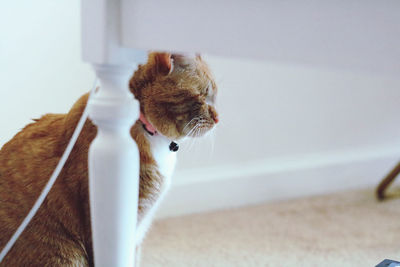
pixel 113 169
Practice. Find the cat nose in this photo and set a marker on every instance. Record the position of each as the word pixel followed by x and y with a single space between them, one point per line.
pixel 216 120
pixel 214 116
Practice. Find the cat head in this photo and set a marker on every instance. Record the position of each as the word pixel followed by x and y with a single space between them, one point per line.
pixel 176 94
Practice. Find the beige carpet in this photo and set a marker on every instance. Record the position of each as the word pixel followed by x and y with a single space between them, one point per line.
pixel 345 229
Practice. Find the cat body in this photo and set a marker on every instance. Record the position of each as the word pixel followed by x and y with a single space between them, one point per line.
pixel 60 233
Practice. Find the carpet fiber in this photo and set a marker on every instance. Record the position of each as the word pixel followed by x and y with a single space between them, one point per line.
pixel 344 229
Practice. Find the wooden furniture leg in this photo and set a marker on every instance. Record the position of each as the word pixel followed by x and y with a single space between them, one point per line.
pixel 113 155
pixel 384 184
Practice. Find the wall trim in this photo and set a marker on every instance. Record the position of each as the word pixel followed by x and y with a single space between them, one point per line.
pixel 262 180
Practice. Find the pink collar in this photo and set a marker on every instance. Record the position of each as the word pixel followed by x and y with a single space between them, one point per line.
pixel 173 147
pixel 147 125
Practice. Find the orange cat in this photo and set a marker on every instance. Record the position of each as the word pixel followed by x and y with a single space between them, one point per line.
pixel 176 95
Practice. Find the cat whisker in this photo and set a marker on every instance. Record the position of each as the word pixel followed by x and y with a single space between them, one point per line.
pixel 200 127
pixel 192 133
pixel 195 134
pixel 196 119
pixel 200 121
pixel 191 130
pixel 199 130
pixel 212 137
pixel 189 133
pixel 188 124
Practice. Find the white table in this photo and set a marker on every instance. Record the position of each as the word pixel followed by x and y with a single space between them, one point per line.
pixel 359 35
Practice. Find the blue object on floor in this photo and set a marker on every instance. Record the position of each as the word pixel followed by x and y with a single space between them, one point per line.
pixel 388 263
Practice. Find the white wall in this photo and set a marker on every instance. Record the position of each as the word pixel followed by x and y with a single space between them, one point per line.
pixel 40 66
pixel 286 129
pixel 272 110
pixel 289 131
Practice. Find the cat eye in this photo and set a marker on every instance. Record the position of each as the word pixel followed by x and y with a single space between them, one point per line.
pixel 208 89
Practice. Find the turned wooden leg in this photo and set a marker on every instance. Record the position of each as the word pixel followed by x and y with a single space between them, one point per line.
pixel 113 169
pixel 384 184
pixel 113 155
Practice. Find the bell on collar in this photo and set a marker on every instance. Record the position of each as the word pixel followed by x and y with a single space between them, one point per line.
pixel 173 146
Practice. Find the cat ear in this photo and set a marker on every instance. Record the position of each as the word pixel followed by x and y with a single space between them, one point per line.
pixel 164 63
pixel 184 60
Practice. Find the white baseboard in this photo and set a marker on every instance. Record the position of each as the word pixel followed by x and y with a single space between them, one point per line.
pixel 257 181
